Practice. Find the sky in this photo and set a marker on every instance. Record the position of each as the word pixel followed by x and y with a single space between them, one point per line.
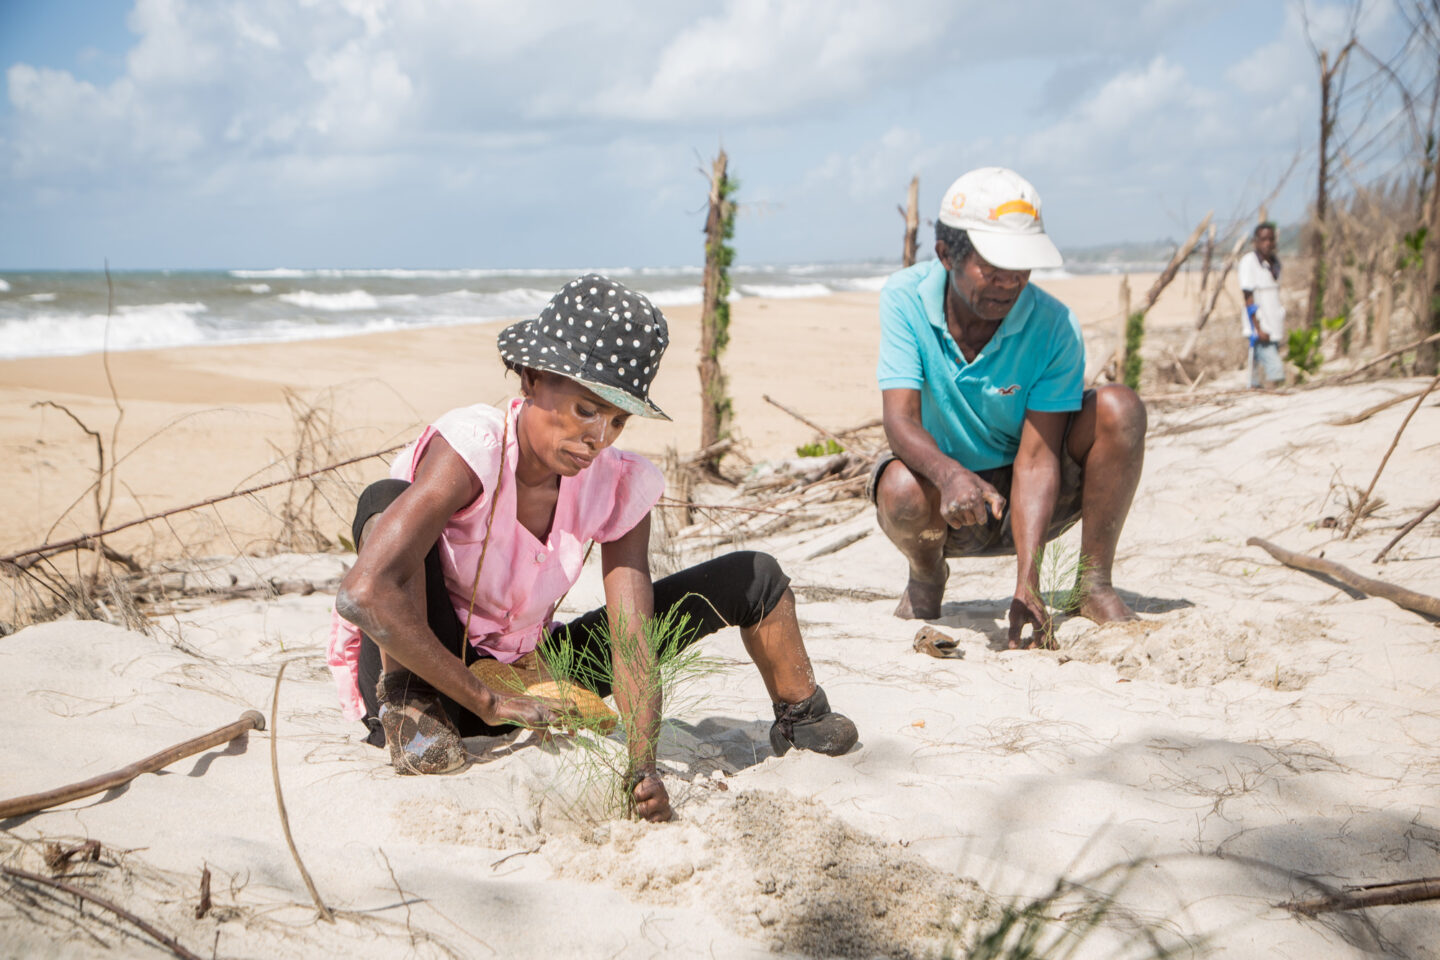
pixel 441 133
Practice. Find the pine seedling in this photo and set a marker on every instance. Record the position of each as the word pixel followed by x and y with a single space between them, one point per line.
pixel 1062 575
pixel 668 664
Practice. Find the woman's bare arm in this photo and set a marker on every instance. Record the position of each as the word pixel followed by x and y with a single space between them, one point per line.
pixel 384 593
pixel 629 604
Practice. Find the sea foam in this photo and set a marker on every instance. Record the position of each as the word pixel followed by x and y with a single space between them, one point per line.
pixel 352 300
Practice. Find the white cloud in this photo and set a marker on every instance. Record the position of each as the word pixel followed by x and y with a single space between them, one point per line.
pixel 768 57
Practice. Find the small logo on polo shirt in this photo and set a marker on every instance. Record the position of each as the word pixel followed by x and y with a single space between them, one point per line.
pixel 1008 391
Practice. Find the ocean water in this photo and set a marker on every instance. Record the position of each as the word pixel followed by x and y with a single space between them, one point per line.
pixel 60 313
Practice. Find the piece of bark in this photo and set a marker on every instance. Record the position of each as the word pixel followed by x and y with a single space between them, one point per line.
pixel 933 643
pixel 1400 596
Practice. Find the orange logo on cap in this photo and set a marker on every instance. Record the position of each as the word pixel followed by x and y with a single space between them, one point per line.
pixel 1013 206
pixel 957 201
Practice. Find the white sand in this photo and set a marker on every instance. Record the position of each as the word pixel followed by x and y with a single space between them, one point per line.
pixel 1260 734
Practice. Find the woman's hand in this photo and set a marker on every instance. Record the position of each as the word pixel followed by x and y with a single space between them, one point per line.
pixel 652 801
pixel 536 713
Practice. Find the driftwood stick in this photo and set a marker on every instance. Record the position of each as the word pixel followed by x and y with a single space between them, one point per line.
pixel 1359 507
pixel 321 910
pixel 249 720
pixel 1369 412
pixel 1377 895
pixel 1419 518
pixel 87 538
pixel 1400 596
pixel 101 902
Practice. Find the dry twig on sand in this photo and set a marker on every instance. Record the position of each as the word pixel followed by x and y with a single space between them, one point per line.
pixel 151 931
pixel 1359 507
pixel 1370 895
pixel 1342 377
pixel 249 720
pixel 1369 412
pixel 321 910
pixel 1400 596
pixel 88 538
pixel 1418 519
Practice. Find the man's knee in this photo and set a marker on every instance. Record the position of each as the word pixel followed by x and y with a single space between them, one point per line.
pixel 902 498
pixel 1120 413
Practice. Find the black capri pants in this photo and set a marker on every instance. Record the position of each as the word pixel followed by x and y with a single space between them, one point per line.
pixel 739 589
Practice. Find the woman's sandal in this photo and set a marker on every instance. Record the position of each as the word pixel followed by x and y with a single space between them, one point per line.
pixel 811 725
pixel 421 738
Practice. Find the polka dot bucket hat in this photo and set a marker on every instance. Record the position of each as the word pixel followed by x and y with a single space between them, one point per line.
pixel 598 333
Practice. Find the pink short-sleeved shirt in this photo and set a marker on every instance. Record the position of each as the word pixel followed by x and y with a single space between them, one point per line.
pixel 523 578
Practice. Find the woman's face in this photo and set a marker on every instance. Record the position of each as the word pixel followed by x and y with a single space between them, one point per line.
pixel 565 425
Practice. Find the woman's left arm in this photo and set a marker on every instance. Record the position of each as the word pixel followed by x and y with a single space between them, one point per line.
pixel 629 604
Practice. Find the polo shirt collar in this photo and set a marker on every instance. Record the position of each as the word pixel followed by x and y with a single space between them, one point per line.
pixel 934 287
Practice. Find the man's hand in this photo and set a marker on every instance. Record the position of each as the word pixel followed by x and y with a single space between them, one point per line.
pixel 964 499
pixel 1025 608
pixel 651 799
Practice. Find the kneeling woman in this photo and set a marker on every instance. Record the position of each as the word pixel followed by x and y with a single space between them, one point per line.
pixel 467 551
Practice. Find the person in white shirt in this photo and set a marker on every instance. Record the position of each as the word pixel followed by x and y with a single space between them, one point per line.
pixel 1264 319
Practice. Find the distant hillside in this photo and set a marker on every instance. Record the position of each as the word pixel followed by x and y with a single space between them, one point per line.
pixel 1156 252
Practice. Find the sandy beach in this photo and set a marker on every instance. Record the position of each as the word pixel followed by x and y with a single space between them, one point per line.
pixel 1260 735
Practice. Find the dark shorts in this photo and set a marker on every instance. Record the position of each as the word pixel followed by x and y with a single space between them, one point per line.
pixel 738 589
pixel 994 538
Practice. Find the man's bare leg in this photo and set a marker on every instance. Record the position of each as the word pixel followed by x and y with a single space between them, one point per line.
pixel 909 513
pixel 1107 438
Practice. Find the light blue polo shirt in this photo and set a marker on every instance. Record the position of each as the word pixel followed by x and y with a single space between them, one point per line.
pixel 1035 361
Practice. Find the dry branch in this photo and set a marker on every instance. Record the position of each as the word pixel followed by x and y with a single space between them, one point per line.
pixel 1375 895
pixel 1400 596
pixel 88 538
pixel 1173 267
pixel 249 720
pixel 101 902
pixel 1360 507
pixel 798 416
pixel 1419 518
pixel 321 910
pixel 1342 377
pixel 1187 352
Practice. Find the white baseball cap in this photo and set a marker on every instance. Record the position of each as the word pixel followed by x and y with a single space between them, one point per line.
pixel 1000 211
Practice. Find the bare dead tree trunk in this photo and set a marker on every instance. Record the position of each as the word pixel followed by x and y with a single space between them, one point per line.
pixel 715 310
pixel 1207 308
pixel 1329 109
pixel 912 222
pixel 1427 296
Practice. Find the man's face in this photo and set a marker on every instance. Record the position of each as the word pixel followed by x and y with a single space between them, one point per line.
pixel 987 291
pixel 1265 243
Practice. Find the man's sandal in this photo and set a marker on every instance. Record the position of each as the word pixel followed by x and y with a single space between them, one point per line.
pixel 420 736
